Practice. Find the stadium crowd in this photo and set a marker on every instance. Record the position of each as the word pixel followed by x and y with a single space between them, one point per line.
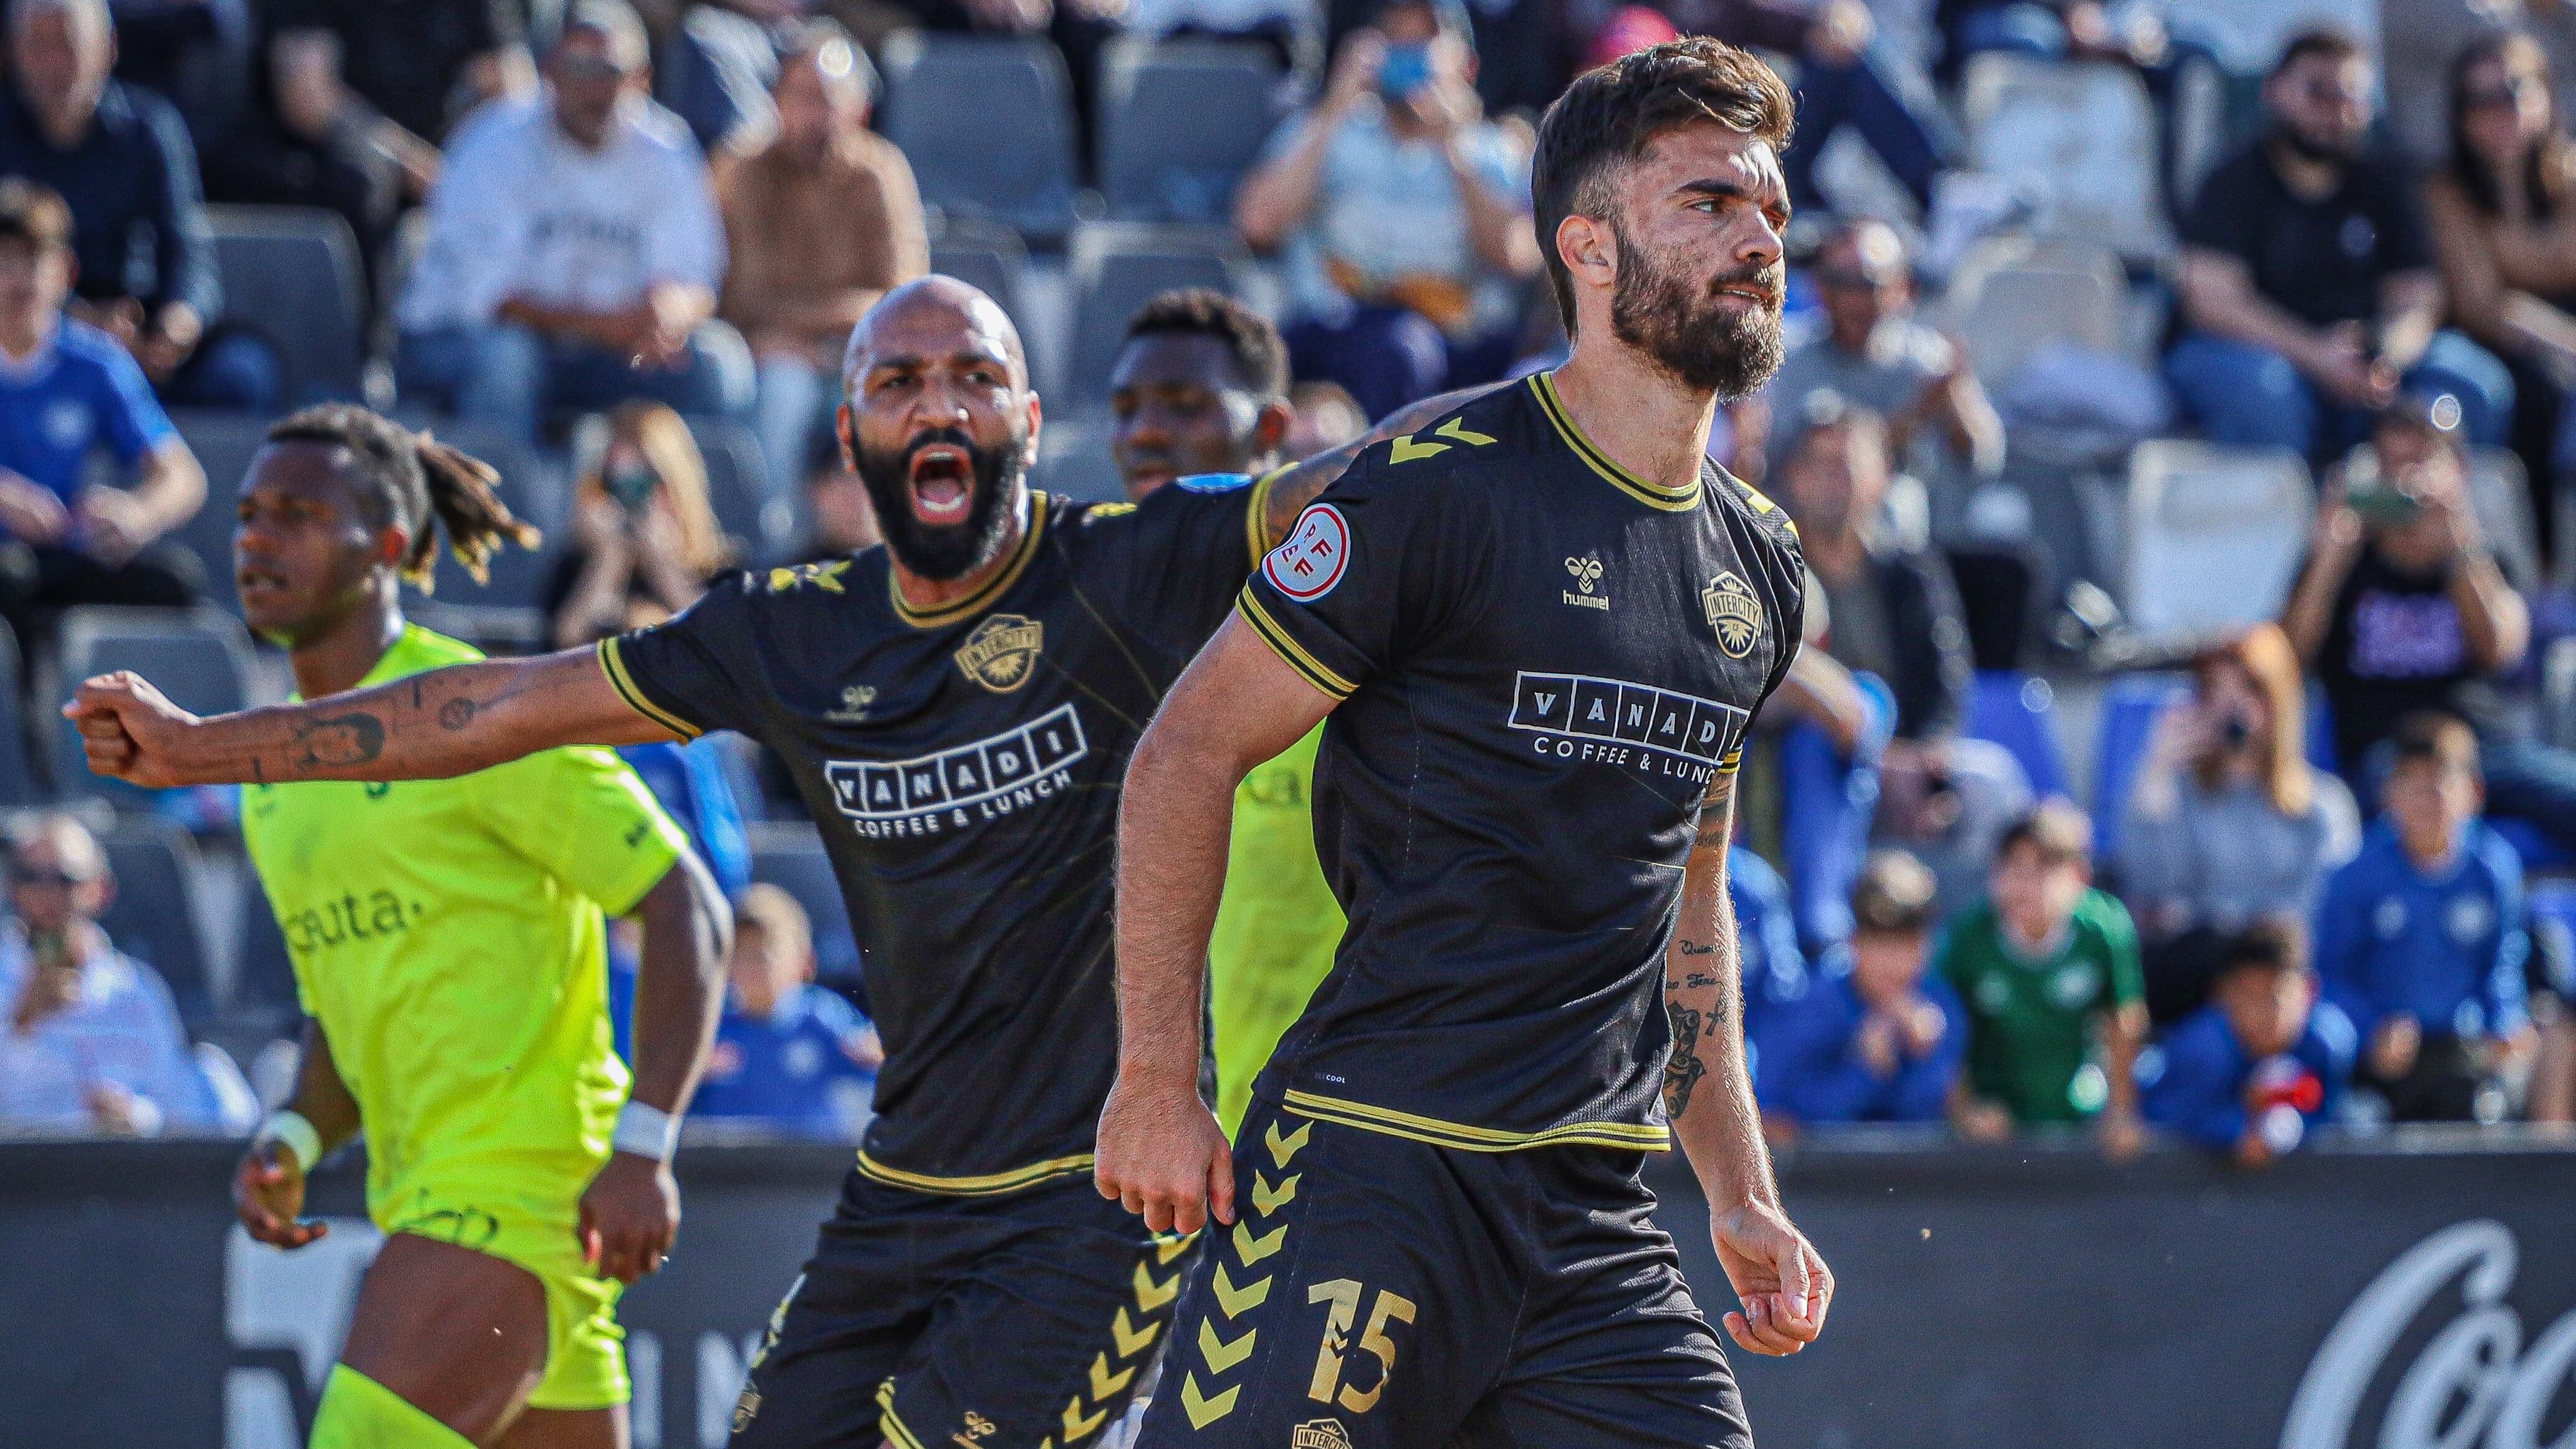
pixel 2328 870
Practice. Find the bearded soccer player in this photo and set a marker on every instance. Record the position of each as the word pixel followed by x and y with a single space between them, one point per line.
pixel 449 946
pixel 957 707
pixel 1538 629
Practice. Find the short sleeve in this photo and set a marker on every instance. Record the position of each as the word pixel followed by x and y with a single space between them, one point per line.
pixel 2127 981
pixel 1174 563
pixel 2222 217
pixel 1367 573
pixel 584 816
pixel 132 417
pixel 692 673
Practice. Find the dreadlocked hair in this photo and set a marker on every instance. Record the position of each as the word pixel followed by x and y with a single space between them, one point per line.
pixel 418 481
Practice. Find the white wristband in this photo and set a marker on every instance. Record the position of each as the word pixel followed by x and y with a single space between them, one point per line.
pixel 290 1131
pixel 646 1132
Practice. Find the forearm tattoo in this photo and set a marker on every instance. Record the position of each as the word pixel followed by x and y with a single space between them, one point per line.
pixel 1684 1069
pixel 332 741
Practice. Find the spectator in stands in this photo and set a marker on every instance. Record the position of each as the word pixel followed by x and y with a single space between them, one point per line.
pixel 1326 417
pixel 67 390
pixel 1877 1042
pixel 789 1055
pixel 1893 605
pixel 1843 79
pixel 92 1043
pixel 1201 387
pixel 2508 260
pixel 352 99
pixel 2048 968
pixel 120 158
pixel 2227 825
pixel 1871 350
pixel 842 518
pixel 2401 606
pixel 1404 215
pixel 2252 1072
pixel 645 538
pixel 1770 962
pixel 2420 940
pixel 574 251
pixel 820 219
pixel 2307 286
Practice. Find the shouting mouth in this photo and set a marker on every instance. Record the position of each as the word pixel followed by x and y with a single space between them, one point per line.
pixel 943 484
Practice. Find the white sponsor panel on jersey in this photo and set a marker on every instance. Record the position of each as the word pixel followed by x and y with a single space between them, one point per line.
pixel 956 787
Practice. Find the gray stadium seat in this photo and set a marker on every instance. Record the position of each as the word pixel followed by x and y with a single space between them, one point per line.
pixel 1119 266
pixel 986 255
pixel 199 657
pixel 2082 137
pixel 987 125
pixel 292 274
pixel 154 916
pixel 2215 535
pixel 224 444
pixel 2502 502
pixel 1180 123
pixel 18 782
pixel 737 486
pixel 789 855
pixel 1073 459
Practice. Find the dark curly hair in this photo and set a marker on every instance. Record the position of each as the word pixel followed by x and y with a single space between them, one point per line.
pixel 1259 356
pixel 420 483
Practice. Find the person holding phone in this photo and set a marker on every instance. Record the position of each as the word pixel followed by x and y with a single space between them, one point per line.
pixel 1402 214
pixel 2227 823
pixel 645 538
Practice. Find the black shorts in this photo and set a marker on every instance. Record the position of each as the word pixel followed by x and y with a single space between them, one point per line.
pixel 928 1319
pixel 1382 1293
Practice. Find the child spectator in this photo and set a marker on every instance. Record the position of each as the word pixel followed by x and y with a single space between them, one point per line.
pixel 91 1043
pixel 2265 1061
pixel 1880 1042
pixel 2420 939
pixel 788 1054
pixel 1771 965
pixel 2048 967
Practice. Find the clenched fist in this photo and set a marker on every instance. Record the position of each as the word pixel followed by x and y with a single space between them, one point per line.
pixel 130 730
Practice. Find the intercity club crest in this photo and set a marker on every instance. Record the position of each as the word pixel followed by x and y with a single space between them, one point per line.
pixel 1002 652
pixel 1320 1434
pixel 824 576
pixel 1733 612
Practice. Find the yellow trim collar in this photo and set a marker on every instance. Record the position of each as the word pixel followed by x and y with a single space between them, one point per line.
pixel 988 1185
pixel 992 588
pixel 1653 495
pixel 614 666
pixel 1645 1136
pixel 1308 667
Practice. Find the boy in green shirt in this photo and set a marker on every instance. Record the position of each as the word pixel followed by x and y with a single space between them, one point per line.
pixel 2048 967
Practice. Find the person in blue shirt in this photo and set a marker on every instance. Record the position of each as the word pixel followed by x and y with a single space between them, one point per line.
pixel 120 158
pixel 2420 939
pixel 789 1054
pixel 1878 1042
pixel 65 389
pixel 1766 934
pixel 2263 1063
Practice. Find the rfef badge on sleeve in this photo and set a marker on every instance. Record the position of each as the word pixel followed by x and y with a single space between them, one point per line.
pixel 1310 563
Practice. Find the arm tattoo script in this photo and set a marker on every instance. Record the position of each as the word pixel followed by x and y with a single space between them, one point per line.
pixel 337 740
pixel 1683 1070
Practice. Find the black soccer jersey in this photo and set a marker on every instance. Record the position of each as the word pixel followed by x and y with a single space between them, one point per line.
pixel 964 767
pixel 1543 661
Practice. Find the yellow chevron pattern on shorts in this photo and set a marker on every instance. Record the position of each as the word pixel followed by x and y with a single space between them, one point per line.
pixel 1234 1297
pixel 1132 1331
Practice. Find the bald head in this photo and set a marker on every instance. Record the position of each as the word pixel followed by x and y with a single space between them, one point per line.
pixel 928 321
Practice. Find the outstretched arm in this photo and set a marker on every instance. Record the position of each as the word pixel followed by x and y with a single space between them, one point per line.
pixel 1781 1282
pixel 428 726
pixel 1160 1150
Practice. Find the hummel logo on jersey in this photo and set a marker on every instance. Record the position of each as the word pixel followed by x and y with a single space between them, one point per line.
pixel 1002 652
pixel 1733 612
pixel 1608 721
pixel 854 705
pixel 1587 578
pixel 956 788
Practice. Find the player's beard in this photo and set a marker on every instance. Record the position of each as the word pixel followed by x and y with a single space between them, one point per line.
pixel 1706 343
pixel 957 550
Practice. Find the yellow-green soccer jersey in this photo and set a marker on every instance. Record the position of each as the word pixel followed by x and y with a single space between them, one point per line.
pixel 449 937
pixel 1276 931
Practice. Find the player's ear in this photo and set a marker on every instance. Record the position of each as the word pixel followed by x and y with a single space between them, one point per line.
pixel 847 432
pixel 392 546
pixel 1037 423
pixel 1589 250
pixel 1270 426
